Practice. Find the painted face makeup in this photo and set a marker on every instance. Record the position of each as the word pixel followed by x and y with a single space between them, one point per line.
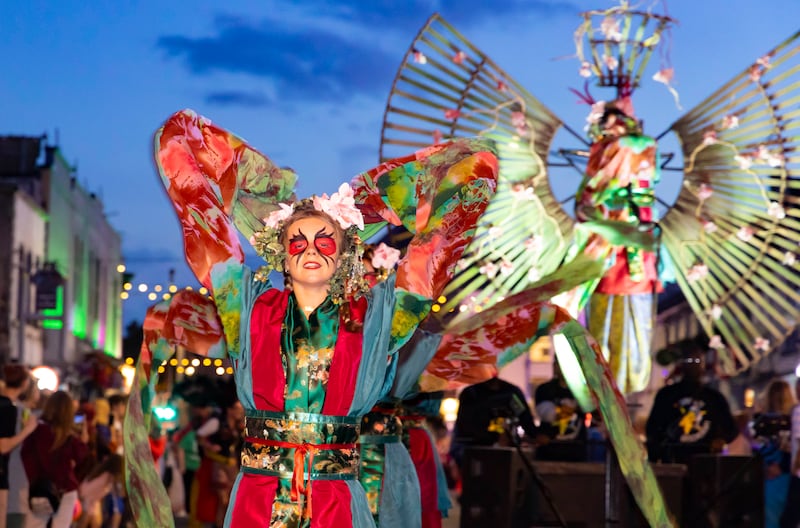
pixel 312 251
pixel 323 242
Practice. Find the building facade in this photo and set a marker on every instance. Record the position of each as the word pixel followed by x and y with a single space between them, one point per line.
pixel 22 243
pixel 83 312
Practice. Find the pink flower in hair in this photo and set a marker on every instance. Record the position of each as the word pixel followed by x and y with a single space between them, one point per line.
pixel 279 215
pixel 385 257
pixel 341 206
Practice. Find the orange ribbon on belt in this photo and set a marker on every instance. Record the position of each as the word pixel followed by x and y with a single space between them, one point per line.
pixel 301 451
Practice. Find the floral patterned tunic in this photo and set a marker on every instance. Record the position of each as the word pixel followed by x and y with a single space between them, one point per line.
pixel 305 383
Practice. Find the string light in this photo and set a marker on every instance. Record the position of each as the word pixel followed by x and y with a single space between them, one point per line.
pixel 121 268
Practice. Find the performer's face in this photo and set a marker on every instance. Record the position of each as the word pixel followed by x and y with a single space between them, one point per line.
pixel 312 251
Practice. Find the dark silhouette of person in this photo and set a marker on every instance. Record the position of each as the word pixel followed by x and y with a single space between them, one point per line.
pixel 689 417
pixel 480 407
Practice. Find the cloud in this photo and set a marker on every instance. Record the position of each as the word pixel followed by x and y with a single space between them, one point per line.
pixel 327 51
pixel 303 64
pixel 238 98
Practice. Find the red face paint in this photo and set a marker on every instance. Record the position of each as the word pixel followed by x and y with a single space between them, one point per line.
pixel 325 245
pixel 297 246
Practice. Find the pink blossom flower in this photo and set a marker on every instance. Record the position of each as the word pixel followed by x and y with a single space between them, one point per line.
pixel 761 344
pixel 789 259
pixel 489 269
pixel 518 119
pixel 279 215
pixel 756 72
pixel 522 192
pixel 451 113
pixel 495 232
pixel 341 206
pixel 763 61
pixel 775 210
pixel 744 161
pixel 420 57
pixel 715 312
pixel 610 28
pixel 709 227
pixel 597 111
pixel 385 257
pixel 697 272
pixel 664 75
pixel 506 267
pixel 730 121
pixel 437 136
pixel 501 86
pixel 709 137
pixel 533 274
pixel 534 243
pixel 715 342
pixel 459 57
pixel 705 192
pixel 745 233
pixel 610 62
pixel 773 160
pixel 586 70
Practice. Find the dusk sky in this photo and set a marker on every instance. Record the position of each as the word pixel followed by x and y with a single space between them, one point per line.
pixel 304 82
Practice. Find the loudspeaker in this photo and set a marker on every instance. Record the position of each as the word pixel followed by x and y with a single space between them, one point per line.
pixel 496 489
pixel 725 491
pixel 499 492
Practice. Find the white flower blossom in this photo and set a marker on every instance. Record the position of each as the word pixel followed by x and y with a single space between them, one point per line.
pixel 489 269
pixel 745 233
pixel 715 312
pixel 697 272
pixel 775 210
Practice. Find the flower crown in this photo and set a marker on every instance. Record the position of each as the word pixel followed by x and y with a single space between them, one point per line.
pixel 340 207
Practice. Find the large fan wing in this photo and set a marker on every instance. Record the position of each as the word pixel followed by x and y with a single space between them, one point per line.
pixel 446 87
pixel 733 232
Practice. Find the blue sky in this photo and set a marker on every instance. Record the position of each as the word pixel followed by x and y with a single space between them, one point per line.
pixel 305 82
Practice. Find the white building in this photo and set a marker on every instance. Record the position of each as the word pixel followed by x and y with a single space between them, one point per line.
pixel 78 243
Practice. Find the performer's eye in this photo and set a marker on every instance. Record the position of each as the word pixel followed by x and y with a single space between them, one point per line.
pixel 325 244
pixel 297 246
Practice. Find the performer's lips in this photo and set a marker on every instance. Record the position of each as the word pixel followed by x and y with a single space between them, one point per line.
pixel 311 265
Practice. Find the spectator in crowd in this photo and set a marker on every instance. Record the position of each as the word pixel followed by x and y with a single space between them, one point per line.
pixel 562 428
pixel 117 404
pixel 50 455
pixel 481 407
pixel 689 417
pixel 16 423
pixel 771 432
pixel 105 479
